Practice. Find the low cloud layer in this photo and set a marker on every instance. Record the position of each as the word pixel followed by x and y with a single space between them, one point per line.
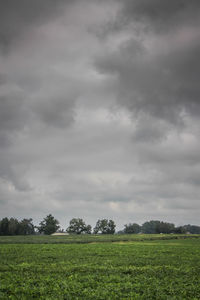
pixel 99 110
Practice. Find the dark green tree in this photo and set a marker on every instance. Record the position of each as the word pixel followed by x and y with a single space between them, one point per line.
pixel 13 226
pixel 157 227
pixel 49 225
pixel 132 228
pixel 88 229
pixel 4 223
pixel 105 226
pixel 164 227
pixel 180 229
pixel 26 227
pixel 150 227
pixel 194 229
pixel 78 226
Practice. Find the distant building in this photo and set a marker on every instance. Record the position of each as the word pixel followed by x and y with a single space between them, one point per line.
pixel 60 233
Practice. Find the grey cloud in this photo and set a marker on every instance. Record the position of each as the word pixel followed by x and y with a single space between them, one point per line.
pixel 2 79
pixel 100 125
pixel 17 17
pixel 159 77
pixel 13 174
pixel 163 84
pixel 150 130
pixel 161 15
pixel 173 154
pixel 11 111
pixel 57 111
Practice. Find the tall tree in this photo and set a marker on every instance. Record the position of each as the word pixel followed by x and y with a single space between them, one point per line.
pixel 157 227
pixel 105 226
pixel 180 229
pixel 150 226
pixel 78 226
pixel 26 227
pixel 164 227
pixel 49 225
pixel 4 223
pixel 132 228
pixel 13 226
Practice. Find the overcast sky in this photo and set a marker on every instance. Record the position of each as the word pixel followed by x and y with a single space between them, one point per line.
pixel 99 110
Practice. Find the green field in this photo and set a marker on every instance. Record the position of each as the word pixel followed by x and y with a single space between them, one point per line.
pixel 147 267
pixel 90 238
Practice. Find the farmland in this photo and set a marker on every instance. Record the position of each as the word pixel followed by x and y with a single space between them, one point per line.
pixel 100 267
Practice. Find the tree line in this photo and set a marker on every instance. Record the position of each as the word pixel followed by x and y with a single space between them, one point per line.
pixel 51 225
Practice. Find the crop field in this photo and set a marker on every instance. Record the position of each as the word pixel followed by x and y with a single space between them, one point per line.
pixel 139 269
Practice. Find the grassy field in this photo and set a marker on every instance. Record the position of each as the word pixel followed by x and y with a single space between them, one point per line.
pixel 149 268
pixel 90 238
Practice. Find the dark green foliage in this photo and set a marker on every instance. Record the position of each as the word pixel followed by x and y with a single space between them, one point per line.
pixel 132 228
pixel 4 226
pixel 192 229
pixel 49 225
pixel 164 227
pixel 150 227
pixel 78 226
pixel 180 229
pixel 26 227
pixel 154 227
pixel 150 270
pixel 105 226
pixel 14 227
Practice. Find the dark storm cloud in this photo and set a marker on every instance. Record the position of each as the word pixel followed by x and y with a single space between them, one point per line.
pixel 99 109
pixel 17 17
pixel 161 15
pixel 157 72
